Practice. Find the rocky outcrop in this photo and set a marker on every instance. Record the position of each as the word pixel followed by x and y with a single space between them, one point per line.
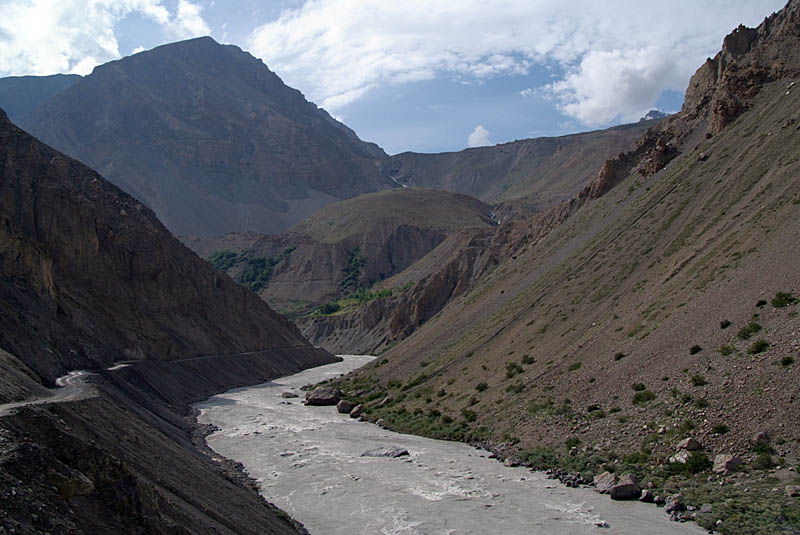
pixel 323 396
pixel 627 488
pixel 725 464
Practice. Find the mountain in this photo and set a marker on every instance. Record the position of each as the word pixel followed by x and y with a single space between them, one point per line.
pixel 88 278
pixel 529 175
pixel 209 138
pixel 345 247
pixel 20 96
pixel 659 303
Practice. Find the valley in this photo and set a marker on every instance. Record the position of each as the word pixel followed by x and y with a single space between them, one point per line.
pixel 189 246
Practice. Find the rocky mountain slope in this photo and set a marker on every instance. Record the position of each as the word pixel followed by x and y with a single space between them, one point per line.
pixel 659 303
pixel 209 138
pixel 20 96
pixel 533 174
pixel 90 277
pixel 344 248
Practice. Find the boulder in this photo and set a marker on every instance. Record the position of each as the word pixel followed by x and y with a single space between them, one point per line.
pixel 386 452
pixel 289 395
pixel 604 482
pixel 724 464
pixel 680 457
pixel 357 411
pixel 674 503
pixel 345 406
pixel 323 396
pixel 647 497
pixel 793 491
pixel 762 437
pixel 690 444
pixel 627 488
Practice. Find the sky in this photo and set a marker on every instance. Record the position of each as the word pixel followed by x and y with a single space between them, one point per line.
pixel 421 75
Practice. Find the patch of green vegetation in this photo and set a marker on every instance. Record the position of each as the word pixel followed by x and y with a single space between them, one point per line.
pixel 759 346
pixel 698 380
pixel 329 308
pixel 515 388
pixel 223 260
pixel 638 387
pixel 469 415
pixel 783 299
pixel 574 366
pixel 787 361
pixel 259 270
pixel 512 369
pixel 482 386
pixel 701 403
pixel 355 264
pixel 643 397
pixel 748 330
pixel 527 359
pixel 724 324
pixel 572 442
pixel 696 463
pixel 695 349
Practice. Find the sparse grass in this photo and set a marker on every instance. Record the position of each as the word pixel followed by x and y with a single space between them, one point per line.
pixel 512 369
pixel 574 366
pixel 759 346
pixel 701 403
pixel 515 388
pixel 698 380
pixel 638 387
pixel 748 330
pixel 695 349
pixel 527 359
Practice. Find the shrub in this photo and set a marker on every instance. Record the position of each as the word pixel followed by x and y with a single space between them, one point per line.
pixel 720 429
pixel 572 442
pixel 619 356
pixel 724 324
pixel 759 346
pixel 515 388
pixel 701 403
pixel 764 461
pixel 748 330
pixel 695 349
pixel 725 350
pixel 613 410
pixel 761 303
pixel 329 308
pixel 527 359
pixel 447 419
pixel 574 366
pixel 441 393
pixel 593 407
pixel 469 415
pixel 783 299
pixel 480 387
pixel 699 380
pixel 638 387
pixel 423 363
pixel 643 397
pixel 512 369
pixel 787 361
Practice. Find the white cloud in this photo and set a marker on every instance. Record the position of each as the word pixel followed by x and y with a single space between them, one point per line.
pixel 527 92
pixel 72 36
pixel 479 137
pixel 338 50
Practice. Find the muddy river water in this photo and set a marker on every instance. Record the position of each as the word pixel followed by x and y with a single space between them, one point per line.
pixel 308 462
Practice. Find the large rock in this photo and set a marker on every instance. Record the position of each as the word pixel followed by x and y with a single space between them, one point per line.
pixel 386 452
pixel 604 482
pixel 345 406
pixel 680 457
pixel 323 396
pixel 674 504
pixel 793 491
pixel 289 395
pixel 357 411
pixel 627 488
pixel 724 464
pixel 690 444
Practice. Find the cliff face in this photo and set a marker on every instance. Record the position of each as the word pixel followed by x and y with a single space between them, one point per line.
pixel 209 138
pixel 90 276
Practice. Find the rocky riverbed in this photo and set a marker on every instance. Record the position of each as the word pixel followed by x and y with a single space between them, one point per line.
pixel 309 461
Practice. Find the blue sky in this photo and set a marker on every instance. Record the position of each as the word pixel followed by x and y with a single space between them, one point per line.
pixel 415 75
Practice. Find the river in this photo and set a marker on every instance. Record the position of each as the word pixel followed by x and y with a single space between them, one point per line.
pixel 308 461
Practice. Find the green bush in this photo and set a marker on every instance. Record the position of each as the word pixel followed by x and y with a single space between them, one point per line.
pixel 783 299
pixel 699 380
pixel 329 308
pixel 469 415
pixel 764 461
pixel 720 429
pixel 638 387
pixel 787 361
pixel 527 359
pixel 572 442
pixel 482 386
pixel 574 366
pixel 748 330
pixel 759 346
pixel 512 369
pixel 643 397
pixel 223 260
pixel 695 349
pixel 515 388
pixel 726 350
pixel 696 463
